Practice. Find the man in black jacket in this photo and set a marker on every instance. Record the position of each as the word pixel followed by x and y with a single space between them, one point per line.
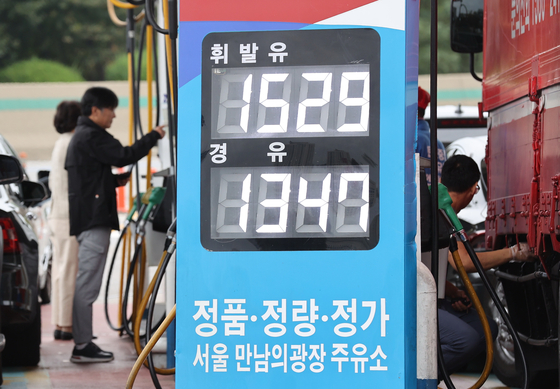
pixel 93 206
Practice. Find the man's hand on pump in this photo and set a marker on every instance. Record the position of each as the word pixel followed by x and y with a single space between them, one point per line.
pixel 124 178
pixel 159 130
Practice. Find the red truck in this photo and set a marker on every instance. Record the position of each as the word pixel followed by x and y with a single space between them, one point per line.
pixel 520 41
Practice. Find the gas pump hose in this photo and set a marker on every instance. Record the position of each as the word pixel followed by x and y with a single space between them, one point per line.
pixel 115 19
pixel 124 5
pixel 444 205
pixel 131 271
pixel 152 302
pixel 479 310
pixel 122 239
pixel 151 199
pixel 129 23
pixel 144 354
pixel 137 310
pixel 476 262
pixel 142 308
pixel 149 347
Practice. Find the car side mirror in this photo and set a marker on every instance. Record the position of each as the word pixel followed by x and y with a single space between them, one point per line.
pixel 33 193
pixel 10 170
pixel 467 25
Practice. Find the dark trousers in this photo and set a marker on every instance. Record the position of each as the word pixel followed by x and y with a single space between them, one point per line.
pixel 94 245
pixel 461 336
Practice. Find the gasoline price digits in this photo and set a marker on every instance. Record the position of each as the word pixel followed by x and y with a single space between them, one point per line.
pixel 290 202
pixel 291 101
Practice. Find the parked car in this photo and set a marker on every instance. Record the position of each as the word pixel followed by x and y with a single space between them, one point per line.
pixel 38 215
pixel 473 214
pixel 458 121
pixel 20 313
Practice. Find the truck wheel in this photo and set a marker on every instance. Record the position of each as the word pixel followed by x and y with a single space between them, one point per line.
pixel 504 355
pixel 504 359
pixel 23 343
pixel 504 349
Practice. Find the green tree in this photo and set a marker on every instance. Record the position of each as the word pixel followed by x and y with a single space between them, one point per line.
pixel 39 70
pixel 448 61
pixel 76 33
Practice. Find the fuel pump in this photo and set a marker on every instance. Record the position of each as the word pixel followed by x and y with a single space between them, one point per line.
pixel 150 199
pixel 134 254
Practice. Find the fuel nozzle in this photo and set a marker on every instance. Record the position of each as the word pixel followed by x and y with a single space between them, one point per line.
pixel 152 198
pixel 444 205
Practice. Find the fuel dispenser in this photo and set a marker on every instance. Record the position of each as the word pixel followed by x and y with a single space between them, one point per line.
pixel 296 214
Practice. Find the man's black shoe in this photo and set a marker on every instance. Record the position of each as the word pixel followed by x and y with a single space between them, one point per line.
pixel 90 354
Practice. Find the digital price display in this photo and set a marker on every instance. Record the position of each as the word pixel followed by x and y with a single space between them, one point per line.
pixel 290 140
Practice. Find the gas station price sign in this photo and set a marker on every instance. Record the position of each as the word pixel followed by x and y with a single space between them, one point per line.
pixel 290 140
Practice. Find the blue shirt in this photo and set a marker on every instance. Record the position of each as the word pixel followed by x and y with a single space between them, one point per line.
pixel 423 148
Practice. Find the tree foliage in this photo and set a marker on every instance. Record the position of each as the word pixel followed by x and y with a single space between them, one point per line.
pixel 39 70
pixel 80 34
pixel 117 70
pixel 448 61
pixel 76 33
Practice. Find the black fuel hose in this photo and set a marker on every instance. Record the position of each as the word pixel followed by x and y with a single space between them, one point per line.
pixel 169 248
pixel 127 321
pixel 434 168
pixel 150 16
pixel 497 302
pixel 441 364
pixel 134 97
pixel 121 236
pixel 151 307
pixel 139 78
pixel 170 245
pixel 156 71
pixel 170 12
pixel 112 264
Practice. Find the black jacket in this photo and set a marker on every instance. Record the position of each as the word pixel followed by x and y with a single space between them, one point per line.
pixel 91 184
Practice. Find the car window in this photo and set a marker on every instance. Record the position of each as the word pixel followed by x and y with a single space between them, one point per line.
pixel 5 148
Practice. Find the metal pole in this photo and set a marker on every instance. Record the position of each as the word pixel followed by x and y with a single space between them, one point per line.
pixel 433 136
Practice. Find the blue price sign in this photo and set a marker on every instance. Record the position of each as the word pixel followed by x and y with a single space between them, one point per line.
pixel 296 262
